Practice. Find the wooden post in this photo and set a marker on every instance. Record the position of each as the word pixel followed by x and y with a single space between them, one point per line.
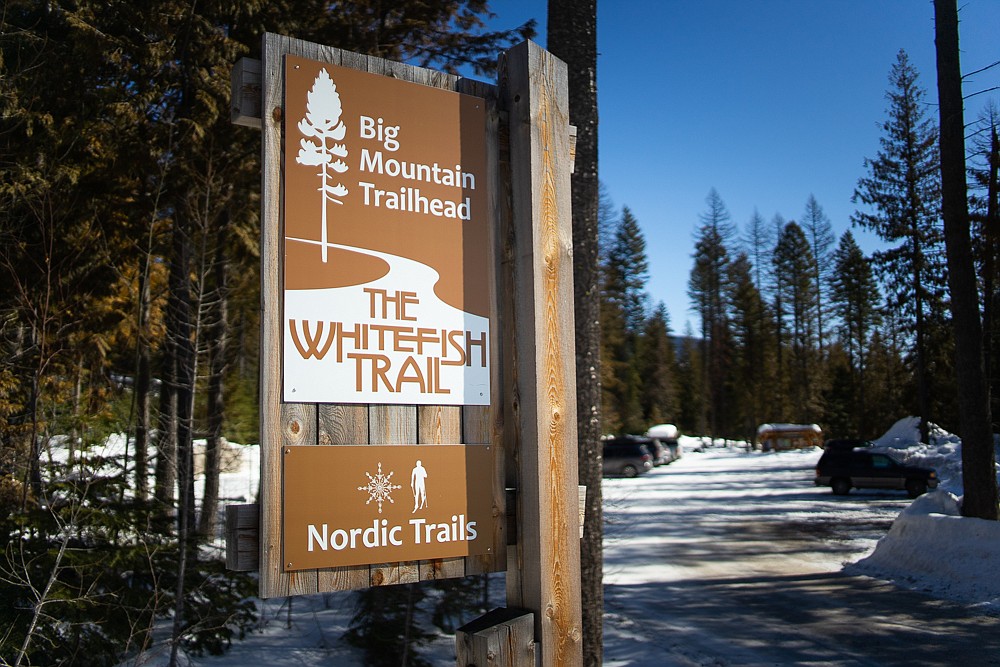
pixel 501 638
pixel 546 579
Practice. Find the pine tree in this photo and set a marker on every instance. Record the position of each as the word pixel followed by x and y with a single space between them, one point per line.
pixel 901 196
pixel 706 289
pixel 624 313
pixel 119 162
pixel 690 392
pixel 752 374
pixel 758 241
pixel 855 300
pixel 657 369
pixel 819 233
pixel 781 375
pixel 794 267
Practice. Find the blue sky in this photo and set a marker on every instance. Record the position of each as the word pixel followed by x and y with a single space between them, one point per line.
pixel 767 101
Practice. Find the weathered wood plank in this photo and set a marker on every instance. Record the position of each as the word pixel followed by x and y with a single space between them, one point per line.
pixel 534 91
pixel 437 425
pixel 243 537
pixel 273 582
pixel 501 638
pixel 393 425
pixel 485 424
pixel 245 93
pixel 299 427
pixel 343 425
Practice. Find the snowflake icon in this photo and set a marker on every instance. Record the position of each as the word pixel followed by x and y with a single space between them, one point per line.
pixel 379 488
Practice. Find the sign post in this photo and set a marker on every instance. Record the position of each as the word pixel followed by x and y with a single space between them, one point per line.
pixel 544 575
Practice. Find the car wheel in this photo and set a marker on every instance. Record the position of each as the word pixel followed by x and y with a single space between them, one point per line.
pixel 841 486
pixel 915 487
pixel 630 471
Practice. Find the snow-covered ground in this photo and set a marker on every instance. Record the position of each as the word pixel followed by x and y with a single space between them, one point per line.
pixel 929 547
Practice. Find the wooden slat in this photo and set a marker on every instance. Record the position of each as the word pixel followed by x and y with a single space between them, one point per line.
pixel 534 92
pixel 393 425
pixel 273 582
pixel 245 93
pixel 343 425
pixel 299 427
pixel 485 424
pixel 501 638
pixel 439 425
pixel 243 537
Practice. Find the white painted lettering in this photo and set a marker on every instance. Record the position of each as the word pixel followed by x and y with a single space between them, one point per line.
pixel 417 523
pixel 316 538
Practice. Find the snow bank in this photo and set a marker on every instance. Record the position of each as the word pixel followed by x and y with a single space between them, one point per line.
pixel 943 452
pixel 665 431
pixel 906 433
pixel 931 547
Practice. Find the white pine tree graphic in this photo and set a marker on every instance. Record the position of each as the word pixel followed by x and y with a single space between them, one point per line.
pixel 322 121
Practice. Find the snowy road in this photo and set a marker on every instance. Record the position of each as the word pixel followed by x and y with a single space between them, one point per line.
pixel 726 558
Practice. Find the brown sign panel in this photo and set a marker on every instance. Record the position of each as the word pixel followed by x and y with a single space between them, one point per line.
pixel 386 253
pixel 356 505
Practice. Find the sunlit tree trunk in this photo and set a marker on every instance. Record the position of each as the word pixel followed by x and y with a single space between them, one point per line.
pixel 978 464
pixel 218 336
pixel 572 36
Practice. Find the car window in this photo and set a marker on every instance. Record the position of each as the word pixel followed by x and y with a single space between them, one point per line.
pixel 881 461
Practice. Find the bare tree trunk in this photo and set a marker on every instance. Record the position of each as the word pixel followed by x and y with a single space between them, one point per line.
pixel 166 437
pixel 572 36
pixel 180 332
pixel 218 335
pixel 991 227
pixel 183 333
pixel 923 393
pixel 143 382
pixel 978 464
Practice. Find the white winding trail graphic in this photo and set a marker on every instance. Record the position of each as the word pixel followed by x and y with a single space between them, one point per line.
pixel 420 278
pixel 327 380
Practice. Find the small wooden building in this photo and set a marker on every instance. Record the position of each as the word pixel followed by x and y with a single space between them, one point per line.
pixel 782 437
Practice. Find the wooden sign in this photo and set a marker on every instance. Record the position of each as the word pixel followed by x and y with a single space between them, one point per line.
pixel 386 293
pixel 528 426
pixel 356 505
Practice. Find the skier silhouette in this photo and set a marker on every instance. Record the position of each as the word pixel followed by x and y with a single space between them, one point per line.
pixel 418 487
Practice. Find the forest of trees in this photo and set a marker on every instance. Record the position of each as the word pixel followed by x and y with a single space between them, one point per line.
pixel 129 302
pixel 796 324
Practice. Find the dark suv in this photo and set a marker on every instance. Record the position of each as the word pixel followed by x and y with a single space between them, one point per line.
pixel 627 456
pixel 843 469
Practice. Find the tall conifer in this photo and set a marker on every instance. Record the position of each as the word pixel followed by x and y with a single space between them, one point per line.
pixel 900 197
pixel 706 289
pixel 855 300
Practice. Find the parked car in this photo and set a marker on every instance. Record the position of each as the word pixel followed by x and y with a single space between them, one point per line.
pixel 847 443
pixel 861 468
pixel 627 456
pixel 659 452
pixel 669 436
